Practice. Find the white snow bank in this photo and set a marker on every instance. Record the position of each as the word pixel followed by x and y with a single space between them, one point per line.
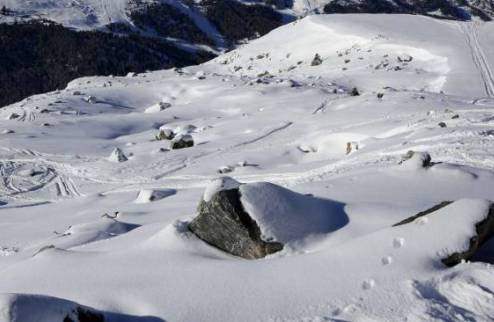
pixel 287 216
pixel 462 294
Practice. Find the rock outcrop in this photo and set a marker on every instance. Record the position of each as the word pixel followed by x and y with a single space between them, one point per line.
pixel 223 223
pixel 182 141
pixel 255 220
pixel 484 230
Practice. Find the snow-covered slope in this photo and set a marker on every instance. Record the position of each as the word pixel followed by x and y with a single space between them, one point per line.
pixel 78 227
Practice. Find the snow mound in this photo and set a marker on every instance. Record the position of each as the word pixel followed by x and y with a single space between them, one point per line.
pixel 150 195
pixel 219 184
pixel 42 308
pixel 86 233
pixel 38 308
pixel 466 293
pixel 287 216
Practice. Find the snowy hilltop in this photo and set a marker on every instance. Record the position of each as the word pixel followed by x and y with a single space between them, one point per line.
pixel 338 168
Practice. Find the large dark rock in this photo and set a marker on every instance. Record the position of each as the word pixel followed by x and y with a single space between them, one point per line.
pixel 84 315
pixel 484 231
pixel 223 223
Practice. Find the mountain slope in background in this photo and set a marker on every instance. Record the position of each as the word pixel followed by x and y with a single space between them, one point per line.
pixel 156 34
pixel 456 9
pixel 76 227
pixel 38 56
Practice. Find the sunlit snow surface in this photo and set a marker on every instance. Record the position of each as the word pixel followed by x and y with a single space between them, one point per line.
pixel 76 227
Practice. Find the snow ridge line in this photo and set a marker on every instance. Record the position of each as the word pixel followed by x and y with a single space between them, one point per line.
pixel 471 32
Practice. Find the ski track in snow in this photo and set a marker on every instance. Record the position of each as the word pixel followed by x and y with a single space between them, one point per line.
pixel 471 31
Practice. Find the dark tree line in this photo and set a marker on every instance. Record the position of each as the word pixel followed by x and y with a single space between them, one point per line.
pixel 37 57
pixel 448 9
pixel 237 21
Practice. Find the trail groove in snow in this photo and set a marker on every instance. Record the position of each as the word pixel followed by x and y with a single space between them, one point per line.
pixel 471 32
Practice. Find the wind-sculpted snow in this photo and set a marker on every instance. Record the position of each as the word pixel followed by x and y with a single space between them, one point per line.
pixel 329 140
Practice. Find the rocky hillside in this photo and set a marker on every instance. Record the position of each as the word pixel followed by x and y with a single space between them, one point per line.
pixel 157 34
pixel 447 9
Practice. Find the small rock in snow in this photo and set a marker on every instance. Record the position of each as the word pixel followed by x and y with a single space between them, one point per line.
pixel 225 169
pixel 165 134
pixel 182 141
pixel 368 284
pixel 316 61
pixel 416 160
pixel 150 195
pixel 91 100
pixel 117 156
pixel 387 260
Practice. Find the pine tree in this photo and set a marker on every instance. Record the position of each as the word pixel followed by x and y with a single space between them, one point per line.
pixel 4 11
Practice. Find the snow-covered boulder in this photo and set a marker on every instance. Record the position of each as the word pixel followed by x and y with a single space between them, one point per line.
pixel 165 134
pixel 259 219
pixel 150 195
pixel 182 141
pixel 161 106
pixel 82 234
pixel 117 155
pixel 37 308
pixel 91 100
pixel 416 160
pixel 13 116
pixel 480 226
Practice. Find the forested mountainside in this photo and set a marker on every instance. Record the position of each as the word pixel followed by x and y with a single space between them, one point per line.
pixel 137 35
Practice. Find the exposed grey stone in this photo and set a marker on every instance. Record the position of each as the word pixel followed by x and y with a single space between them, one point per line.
pixel 117 156
pixel 223 223
pixel 181 142
pixel 316 61
pixel 84 315
pixel 165 134
pixel 355 92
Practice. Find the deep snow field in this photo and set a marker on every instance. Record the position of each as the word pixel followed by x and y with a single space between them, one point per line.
pixel 77 226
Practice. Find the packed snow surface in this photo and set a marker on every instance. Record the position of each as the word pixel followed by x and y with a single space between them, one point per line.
pixel 321 166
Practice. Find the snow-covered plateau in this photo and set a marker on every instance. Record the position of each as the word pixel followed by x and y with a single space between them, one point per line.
pixel 100 180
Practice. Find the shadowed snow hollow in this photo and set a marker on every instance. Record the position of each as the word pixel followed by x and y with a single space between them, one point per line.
pixel 286 216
